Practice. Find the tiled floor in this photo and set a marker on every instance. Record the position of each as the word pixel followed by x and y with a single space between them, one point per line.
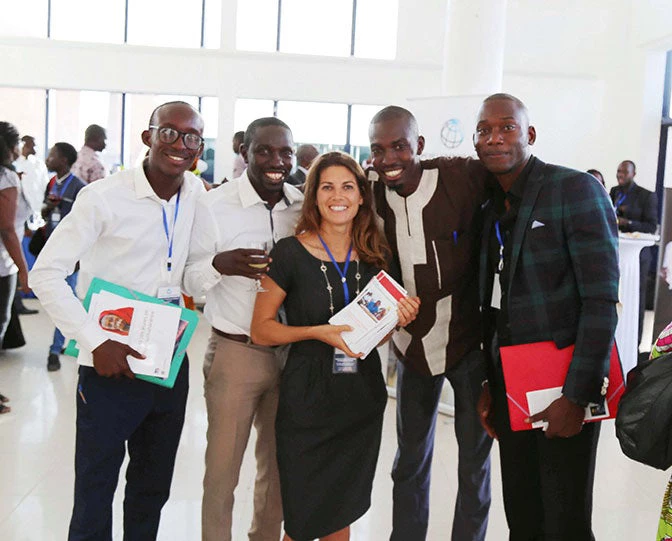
pixel 36 464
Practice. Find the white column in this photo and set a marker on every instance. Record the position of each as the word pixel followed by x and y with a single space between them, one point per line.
pixel 474 47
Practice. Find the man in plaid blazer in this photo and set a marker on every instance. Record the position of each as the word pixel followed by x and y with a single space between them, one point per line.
pixel 549 271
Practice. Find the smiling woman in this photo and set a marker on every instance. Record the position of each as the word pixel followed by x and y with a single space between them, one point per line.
pixel 331 401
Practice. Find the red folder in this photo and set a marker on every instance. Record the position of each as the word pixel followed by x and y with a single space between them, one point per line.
pixel 541 365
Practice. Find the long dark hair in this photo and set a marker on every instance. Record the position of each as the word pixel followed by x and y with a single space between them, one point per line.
pixel 366 237
pixel 9 138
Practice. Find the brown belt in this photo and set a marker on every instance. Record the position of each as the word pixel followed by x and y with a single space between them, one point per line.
pixel 242 338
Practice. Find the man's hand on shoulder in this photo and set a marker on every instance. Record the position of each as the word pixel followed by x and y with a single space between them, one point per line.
pixel 564 418
pixel 239 262
pixel 109 359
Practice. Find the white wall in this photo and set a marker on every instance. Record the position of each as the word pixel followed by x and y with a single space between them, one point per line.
pixel 590 70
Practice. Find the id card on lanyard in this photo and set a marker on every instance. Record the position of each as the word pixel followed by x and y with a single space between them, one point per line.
pixel 341 363
pixel 167 292
pixel 55 216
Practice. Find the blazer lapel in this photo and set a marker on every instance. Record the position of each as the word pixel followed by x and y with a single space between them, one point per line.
pixel 534 183
pixel 483 289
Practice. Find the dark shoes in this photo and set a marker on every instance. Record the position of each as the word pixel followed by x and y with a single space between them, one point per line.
pixel 25 311
pixel 53 362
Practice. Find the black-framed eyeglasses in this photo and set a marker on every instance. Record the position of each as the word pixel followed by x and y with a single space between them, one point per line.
pixel 170 135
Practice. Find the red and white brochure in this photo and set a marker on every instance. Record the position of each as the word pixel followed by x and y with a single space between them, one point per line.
pixel 372 315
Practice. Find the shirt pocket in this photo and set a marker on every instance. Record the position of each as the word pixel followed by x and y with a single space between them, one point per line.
pixel 452 258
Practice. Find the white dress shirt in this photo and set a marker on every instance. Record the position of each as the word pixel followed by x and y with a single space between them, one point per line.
pixel 227 218
pixel 115 230
pixel 34 180
pixel 8 179
pixel 239 165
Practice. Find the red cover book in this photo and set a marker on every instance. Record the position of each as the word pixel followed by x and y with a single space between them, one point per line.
pixel 541 365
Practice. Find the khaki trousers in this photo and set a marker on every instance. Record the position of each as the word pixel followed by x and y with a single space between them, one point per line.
pixel 241 388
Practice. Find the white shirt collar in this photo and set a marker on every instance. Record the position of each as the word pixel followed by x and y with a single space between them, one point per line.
pixel 249 196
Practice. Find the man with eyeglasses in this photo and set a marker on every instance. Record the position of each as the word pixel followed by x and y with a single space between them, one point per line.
pixel 242 379
pixel 134 230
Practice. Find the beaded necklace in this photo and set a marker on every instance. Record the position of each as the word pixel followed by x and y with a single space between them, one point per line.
pixel 342 273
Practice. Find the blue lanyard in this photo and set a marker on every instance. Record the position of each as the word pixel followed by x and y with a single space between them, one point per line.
pixel 500 240
pixel 620 199
pixel 64 186
pixel 170 235
pixel 341 272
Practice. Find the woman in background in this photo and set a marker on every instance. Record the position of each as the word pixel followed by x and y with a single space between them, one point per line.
pixel 331 405
pixel 12 263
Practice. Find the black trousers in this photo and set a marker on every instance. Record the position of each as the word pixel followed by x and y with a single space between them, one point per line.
pixel 645 257
pixel 547 483
pixel 113 413
pixel 7 291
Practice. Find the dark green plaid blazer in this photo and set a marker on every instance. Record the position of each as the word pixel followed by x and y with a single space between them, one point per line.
pixel 564 273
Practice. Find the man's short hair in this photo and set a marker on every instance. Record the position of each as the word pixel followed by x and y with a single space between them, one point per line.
pixel 634 167
pixel 305 154
pixel 262 123
pixel 94 131
pixel 393 112
pixel 155 112
pixel 67 151
pixel 27 138
pixel 239 136
pixel 509 97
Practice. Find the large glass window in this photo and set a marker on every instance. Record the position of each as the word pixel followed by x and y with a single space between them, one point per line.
pixel 257 25
pixel 324 125
pixel 84 20
pixel 247 110
pixel 25 108
pixel 212 24
pixel 376 28
pixel 16 22
pixel 320 27
pixel 360 118
pixel 72 111
pixel 164 23
pixel 210 113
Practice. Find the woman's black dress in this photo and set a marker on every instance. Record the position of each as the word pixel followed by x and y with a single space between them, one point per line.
pixel 328 425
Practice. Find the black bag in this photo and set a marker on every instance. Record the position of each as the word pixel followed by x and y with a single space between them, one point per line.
pixel 644 419
pixel 37 241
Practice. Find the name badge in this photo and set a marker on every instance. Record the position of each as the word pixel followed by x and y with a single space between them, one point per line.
pixel 55 216
pixel 496 293
pixel 172 294
pixel 343 364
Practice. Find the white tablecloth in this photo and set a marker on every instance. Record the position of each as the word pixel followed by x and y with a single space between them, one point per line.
pixel 628 295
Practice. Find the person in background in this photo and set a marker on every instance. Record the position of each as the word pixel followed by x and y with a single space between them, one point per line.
pixel 305 155
pixel 133 229
pixel 34 179
pixel 239 164
pixel 89 167
pixel 59 197
pixel 597 175
pixel 12 263
pixel 548 272
pixel 329 423
pixel 636 210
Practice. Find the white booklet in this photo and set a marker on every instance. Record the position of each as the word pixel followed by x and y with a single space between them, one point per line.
pixel 372 315
pixel 149 328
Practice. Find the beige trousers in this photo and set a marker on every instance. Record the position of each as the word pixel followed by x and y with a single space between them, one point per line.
pixel 241 388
